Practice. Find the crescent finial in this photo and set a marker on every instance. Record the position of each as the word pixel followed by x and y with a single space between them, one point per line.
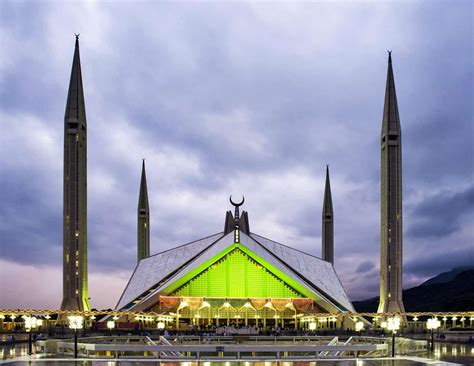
pixel 236 204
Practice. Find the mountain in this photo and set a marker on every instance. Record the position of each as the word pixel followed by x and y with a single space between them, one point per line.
pixel 441 293
pixel 446 276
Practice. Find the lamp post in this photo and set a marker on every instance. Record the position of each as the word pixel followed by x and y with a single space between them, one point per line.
pixel 30 323
pixel 415 319
pixel 91 321
pixel 47 317
pixel 359 326
pixel 393 324
pixel 75 323
pixel 432 324
pixel 111 325
pixel 12 317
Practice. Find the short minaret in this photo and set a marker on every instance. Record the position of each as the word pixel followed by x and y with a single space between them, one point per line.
pixel 143 228
pixel 391 233
pixel 75 291
pixel 328 223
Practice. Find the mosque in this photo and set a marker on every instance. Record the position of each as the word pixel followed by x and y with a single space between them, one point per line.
pixel 235 276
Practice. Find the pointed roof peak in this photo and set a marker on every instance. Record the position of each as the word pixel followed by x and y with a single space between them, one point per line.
pixel 327 202
pixel 143 170
pixel 327 174
pixel 75 107
pixel 391 119
pixel 143 195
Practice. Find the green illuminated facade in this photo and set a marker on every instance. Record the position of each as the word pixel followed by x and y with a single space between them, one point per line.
pixel 237 275
pixel 218 281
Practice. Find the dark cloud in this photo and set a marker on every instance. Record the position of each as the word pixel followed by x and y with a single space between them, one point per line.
pixel 365 267
pixel 237 98
pixel 439 260
pixel 439 215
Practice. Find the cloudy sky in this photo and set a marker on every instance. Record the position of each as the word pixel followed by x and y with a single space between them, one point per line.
pixel 232 97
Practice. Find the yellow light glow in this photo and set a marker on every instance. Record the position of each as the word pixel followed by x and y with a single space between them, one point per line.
pixel 205 304
pixel 312 326
pixel 111 324
pixel 393 324
pixel 433 323
pixel 30 322
pixel 75 321
pixel 359 326
pixel 183 304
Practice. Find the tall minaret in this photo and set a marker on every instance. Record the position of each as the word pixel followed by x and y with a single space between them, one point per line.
pixel 75 293
pixel 391 233
pixel 328 222
pixel 143 228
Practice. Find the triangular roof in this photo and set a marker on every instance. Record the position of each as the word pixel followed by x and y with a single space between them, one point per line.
pixel 154 274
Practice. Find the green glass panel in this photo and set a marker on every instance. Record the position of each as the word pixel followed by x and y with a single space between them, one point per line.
pixel 236 274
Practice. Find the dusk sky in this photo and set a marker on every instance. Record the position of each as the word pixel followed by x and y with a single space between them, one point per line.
pixel 223 98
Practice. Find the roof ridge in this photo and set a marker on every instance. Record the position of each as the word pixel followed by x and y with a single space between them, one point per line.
pixel 166 251
pixel 182 245
pixel 287 246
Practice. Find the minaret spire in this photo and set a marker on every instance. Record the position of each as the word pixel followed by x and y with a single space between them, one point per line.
pixel 75 287
pixel 143 228
pixel 328 222
pixel 75 108
pixel 391 230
